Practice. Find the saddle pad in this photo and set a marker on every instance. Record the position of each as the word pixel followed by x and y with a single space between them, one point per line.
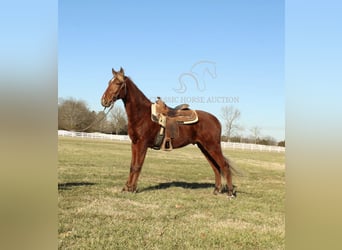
pixel 182 116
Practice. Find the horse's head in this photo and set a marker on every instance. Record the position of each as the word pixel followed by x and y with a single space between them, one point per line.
pixel 116 88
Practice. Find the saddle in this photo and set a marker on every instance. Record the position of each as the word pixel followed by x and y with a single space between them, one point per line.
pixel 169 119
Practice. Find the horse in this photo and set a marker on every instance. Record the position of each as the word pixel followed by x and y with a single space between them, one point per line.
pixel 206 133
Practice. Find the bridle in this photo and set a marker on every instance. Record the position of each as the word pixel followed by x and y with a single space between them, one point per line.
pixel 123 85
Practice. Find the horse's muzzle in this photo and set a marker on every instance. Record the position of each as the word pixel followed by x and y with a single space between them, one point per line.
pixel 104 103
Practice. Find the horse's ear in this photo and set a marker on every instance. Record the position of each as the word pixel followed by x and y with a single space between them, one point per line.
pixel 114 72
pixel 122 71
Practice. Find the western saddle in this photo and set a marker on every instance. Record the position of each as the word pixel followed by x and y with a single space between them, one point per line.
pixel 169 119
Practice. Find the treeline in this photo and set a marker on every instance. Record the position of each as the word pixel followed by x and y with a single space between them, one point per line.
pixel 267 140
pixel 75 115
pixel 232 130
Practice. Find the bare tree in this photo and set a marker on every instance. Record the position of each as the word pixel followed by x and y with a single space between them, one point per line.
pixel 230 116
pixel 119 120
pixel 101 124
pixel 255 133
pixel 73 114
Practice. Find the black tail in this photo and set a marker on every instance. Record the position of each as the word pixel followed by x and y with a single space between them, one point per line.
pixel 233 169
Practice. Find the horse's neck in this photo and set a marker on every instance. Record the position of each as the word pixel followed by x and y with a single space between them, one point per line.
pixel 136 103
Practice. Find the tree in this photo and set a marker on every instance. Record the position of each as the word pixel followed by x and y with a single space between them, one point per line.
pixel 255 133
pixel 230 115
pixel 73 114
pixel 268 140
pixel 119 120
pixel 101 124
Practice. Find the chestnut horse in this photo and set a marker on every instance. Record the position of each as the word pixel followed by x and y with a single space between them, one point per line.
pixel 206 133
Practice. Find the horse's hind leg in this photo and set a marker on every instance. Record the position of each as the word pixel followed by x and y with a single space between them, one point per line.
pixel 227 172
pixel 219 162
pixel 216 169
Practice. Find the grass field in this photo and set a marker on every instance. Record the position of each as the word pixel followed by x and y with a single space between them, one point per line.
pixel 174 207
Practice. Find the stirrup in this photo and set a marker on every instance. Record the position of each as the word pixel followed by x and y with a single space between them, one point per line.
pixel 167 145
pixel 158 141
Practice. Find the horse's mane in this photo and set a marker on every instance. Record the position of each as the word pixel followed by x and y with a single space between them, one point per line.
pixel 136 89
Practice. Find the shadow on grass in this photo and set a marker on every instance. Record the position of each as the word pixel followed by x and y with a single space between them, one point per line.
pixel 189 185
pixel 182 184
pixel 69 185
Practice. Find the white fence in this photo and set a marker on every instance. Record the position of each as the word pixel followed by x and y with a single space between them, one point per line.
pixel 230 145
pixel 95 135
pixel 250 146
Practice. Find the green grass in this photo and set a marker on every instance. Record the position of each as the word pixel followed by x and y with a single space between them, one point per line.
pixel 174 208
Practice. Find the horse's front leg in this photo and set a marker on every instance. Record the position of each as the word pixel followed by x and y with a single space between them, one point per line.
pixel 138 156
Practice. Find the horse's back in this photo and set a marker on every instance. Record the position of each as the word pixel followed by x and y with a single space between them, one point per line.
pixel 207 126
pixel 208 120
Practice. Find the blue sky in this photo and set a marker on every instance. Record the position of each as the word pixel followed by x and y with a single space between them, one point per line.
pixel 164 44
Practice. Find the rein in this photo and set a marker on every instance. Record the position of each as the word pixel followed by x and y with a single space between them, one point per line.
pixel 95 121
pixel 110 108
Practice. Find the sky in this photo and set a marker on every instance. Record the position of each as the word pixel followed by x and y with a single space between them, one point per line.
pixel 209 54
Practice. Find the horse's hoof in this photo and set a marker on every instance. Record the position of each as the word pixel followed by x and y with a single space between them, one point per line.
pixel 129 189
pixel 232 193
pixel 231 197
pixel 216 191
pixel 126 189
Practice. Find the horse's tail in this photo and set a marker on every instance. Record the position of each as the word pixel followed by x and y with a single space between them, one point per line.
pixel 233 169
